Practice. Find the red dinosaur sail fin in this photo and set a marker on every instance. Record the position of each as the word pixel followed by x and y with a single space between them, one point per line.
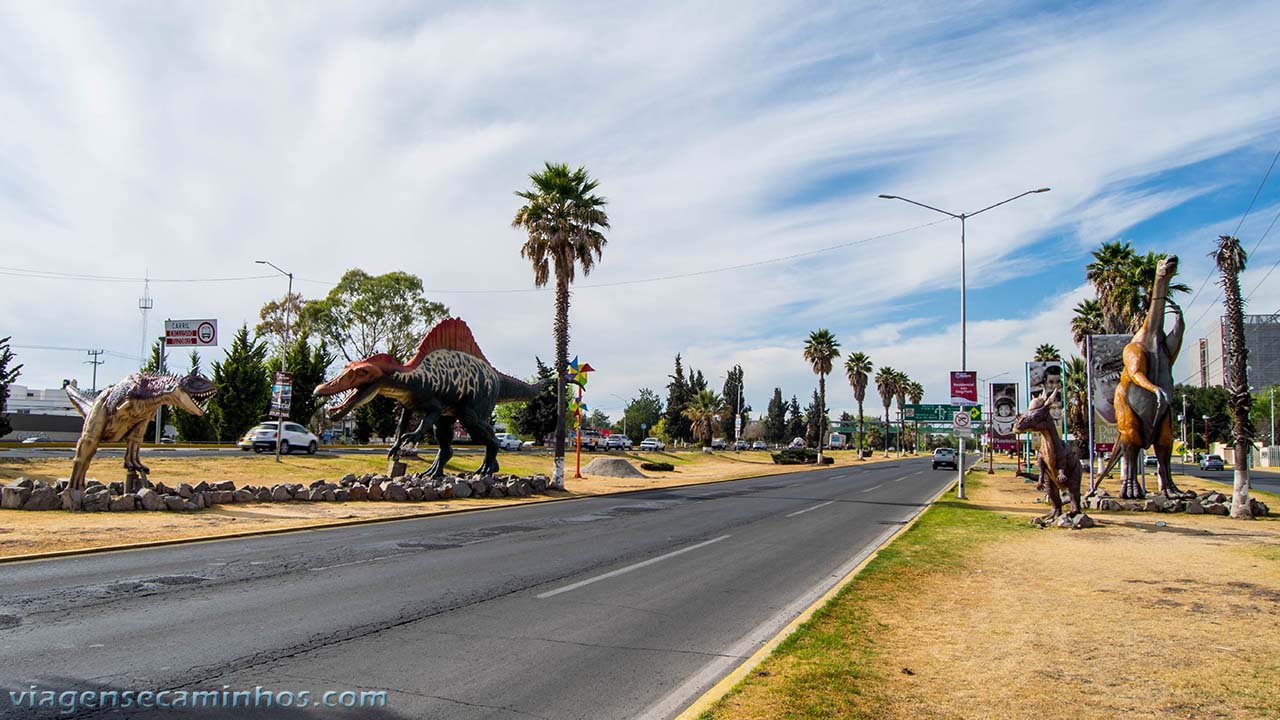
pixel 448 334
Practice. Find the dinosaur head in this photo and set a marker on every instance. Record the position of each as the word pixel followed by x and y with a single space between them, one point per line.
pixel 1168 267
pixel 189 392
pixel 357 384
pixel 1037 416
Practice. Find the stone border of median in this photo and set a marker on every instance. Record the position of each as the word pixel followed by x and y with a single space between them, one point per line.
pixel 523 500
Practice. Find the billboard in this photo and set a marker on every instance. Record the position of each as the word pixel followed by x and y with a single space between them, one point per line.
pixel 1004 408
pixel 1105 355
pixel 1043 378
pixel 964 387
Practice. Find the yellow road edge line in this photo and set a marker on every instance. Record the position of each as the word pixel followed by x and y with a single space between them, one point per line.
pixel 728 682
pixel 54 554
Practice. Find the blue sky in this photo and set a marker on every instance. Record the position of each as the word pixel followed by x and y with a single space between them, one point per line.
pixel 186 141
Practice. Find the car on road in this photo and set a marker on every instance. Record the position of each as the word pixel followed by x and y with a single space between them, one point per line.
pixel 741 445
pixel 759 445
pixel 1151 461
pixel 944 457
pixel 263 438
pixel 652 443
pixel 718 444
pixel 592 440
pixel 507 441
pixel 35 439
pixel 797 442
pixel 1212 462
pixel 619 442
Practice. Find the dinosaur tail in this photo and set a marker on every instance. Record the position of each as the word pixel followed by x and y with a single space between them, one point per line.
pixel 82 400
pixel 512 390
pixel 1111 464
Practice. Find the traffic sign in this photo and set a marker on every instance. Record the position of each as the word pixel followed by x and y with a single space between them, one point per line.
pixel 961 422
pixel 938 413
pixel 192 333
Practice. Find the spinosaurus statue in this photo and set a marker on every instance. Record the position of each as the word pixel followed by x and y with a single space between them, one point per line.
pixel 1143 398
pixel 1059 462
pixel 448 379
pixel 123 411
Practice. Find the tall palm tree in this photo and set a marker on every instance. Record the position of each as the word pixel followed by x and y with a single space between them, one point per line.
pixel 1110 273
pixel 915 393
pixel 857 367
pixel 1136 294
pixel 563 218
pixel 1047 353
pixel 886 387
pixel 1231 259
pixel 821 351
pixel 702 410
pixel 1087 321
pixel 1075 386
pixel 900 386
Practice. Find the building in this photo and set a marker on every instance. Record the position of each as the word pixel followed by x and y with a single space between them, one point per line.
pixel 1261 337
pixel 31 401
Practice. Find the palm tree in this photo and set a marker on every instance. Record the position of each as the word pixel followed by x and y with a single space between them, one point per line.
pixel 900 387
pixel 821 350
pixel 1088 321
pixel 886 387
pixel 1231 259
pixel 915 393
pixel 1047 353
pixel 857 368
pixel 563 218
pixel 1075 386
pixel 1109 273
pixel 1137 291
pixel 702 411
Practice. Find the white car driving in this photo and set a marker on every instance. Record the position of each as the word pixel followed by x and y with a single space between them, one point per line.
pixel 652 443
pixel 507 441
pixel 263 438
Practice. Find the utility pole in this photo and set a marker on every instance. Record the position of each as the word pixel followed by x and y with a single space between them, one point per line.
pixel 160 348
pixel 95 362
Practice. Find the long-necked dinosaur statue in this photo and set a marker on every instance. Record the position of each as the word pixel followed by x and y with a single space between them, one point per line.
pixel 1059 462
pixel 123 411
pixel 1143 399
pixel 448 379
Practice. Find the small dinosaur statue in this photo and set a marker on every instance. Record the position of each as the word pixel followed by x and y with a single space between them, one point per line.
pixel 1143 397
pixel 123 411
pixel 1059 462
pixel 447 379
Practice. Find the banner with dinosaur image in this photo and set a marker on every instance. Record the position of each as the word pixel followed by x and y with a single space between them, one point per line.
pixel 1105 355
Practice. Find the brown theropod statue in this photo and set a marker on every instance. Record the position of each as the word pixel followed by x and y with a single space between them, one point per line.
pixel 1059 462
pixel 1143 399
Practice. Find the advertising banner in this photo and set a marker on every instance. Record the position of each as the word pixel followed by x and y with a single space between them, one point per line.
pixel 964 387
pixel 1004 404
pixel 1043 378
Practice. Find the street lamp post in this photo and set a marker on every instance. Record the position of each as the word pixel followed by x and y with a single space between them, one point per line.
pixel 963 309
pixel 284 346
pixel 1206 434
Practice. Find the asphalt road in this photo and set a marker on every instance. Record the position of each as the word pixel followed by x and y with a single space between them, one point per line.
pixel 153 451
pixel 1262 479
pixel 611 607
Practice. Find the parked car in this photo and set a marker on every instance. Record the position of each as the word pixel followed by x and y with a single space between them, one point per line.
pixel 592 440
pixel 718 444
pixel 741 445
pixel 797 442
pixel 944 457
pixel 1212 462
pixel 1151 461
pixel 35 439
pixel 507 441
pixel 759 445
pixel 618 441
pixel 263 438
pixel 652 443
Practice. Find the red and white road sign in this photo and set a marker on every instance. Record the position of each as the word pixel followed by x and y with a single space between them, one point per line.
pixel 195 333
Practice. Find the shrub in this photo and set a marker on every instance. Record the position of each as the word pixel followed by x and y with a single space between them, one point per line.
pixel 657 466
pixel 800 456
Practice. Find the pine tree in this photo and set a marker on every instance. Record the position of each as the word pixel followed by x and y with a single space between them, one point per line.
pixel 309 365
pixel 244 387
pixel 678 426
pixel 7 376
pixel 537 418
pixel 158 363
pixel 795 421
pixel 734 402
pixel 775 424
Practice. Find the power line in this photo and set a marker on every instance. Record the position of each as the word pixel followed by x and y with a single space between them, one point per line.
pixel 83 277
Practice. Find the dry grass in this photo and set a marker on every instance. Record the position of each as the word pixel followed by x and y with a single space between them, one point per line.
pixel 970 614
pixel 23 533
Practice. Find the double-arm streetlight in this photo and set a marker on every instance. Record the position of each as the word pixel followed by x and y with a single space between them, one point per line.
pixel 963 318
pixel 962 217
pixel 284 347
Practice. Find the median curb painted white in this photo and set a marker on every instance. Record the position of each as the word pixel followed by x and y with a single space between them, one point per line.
pixel 728 682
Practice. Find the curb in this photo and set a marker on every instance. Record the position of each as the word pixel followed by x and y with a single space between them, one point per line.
pixel 728 682
pixel 54 554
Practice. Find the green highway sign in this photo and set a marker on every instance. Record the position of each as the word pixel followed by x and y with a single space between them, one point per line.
pixel 937 413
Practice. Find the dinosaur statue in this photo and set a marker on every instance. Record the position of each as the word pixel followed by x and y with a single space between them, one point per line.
pixel 1143 397
pixel 448 379
pixel 1059 462
pixel 123 411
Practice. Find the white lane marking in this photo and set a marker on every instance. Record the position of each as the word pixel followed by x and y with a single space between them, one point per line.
pixel 815 507
pixel 629 568
pixel 873 487
pixel 917 473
